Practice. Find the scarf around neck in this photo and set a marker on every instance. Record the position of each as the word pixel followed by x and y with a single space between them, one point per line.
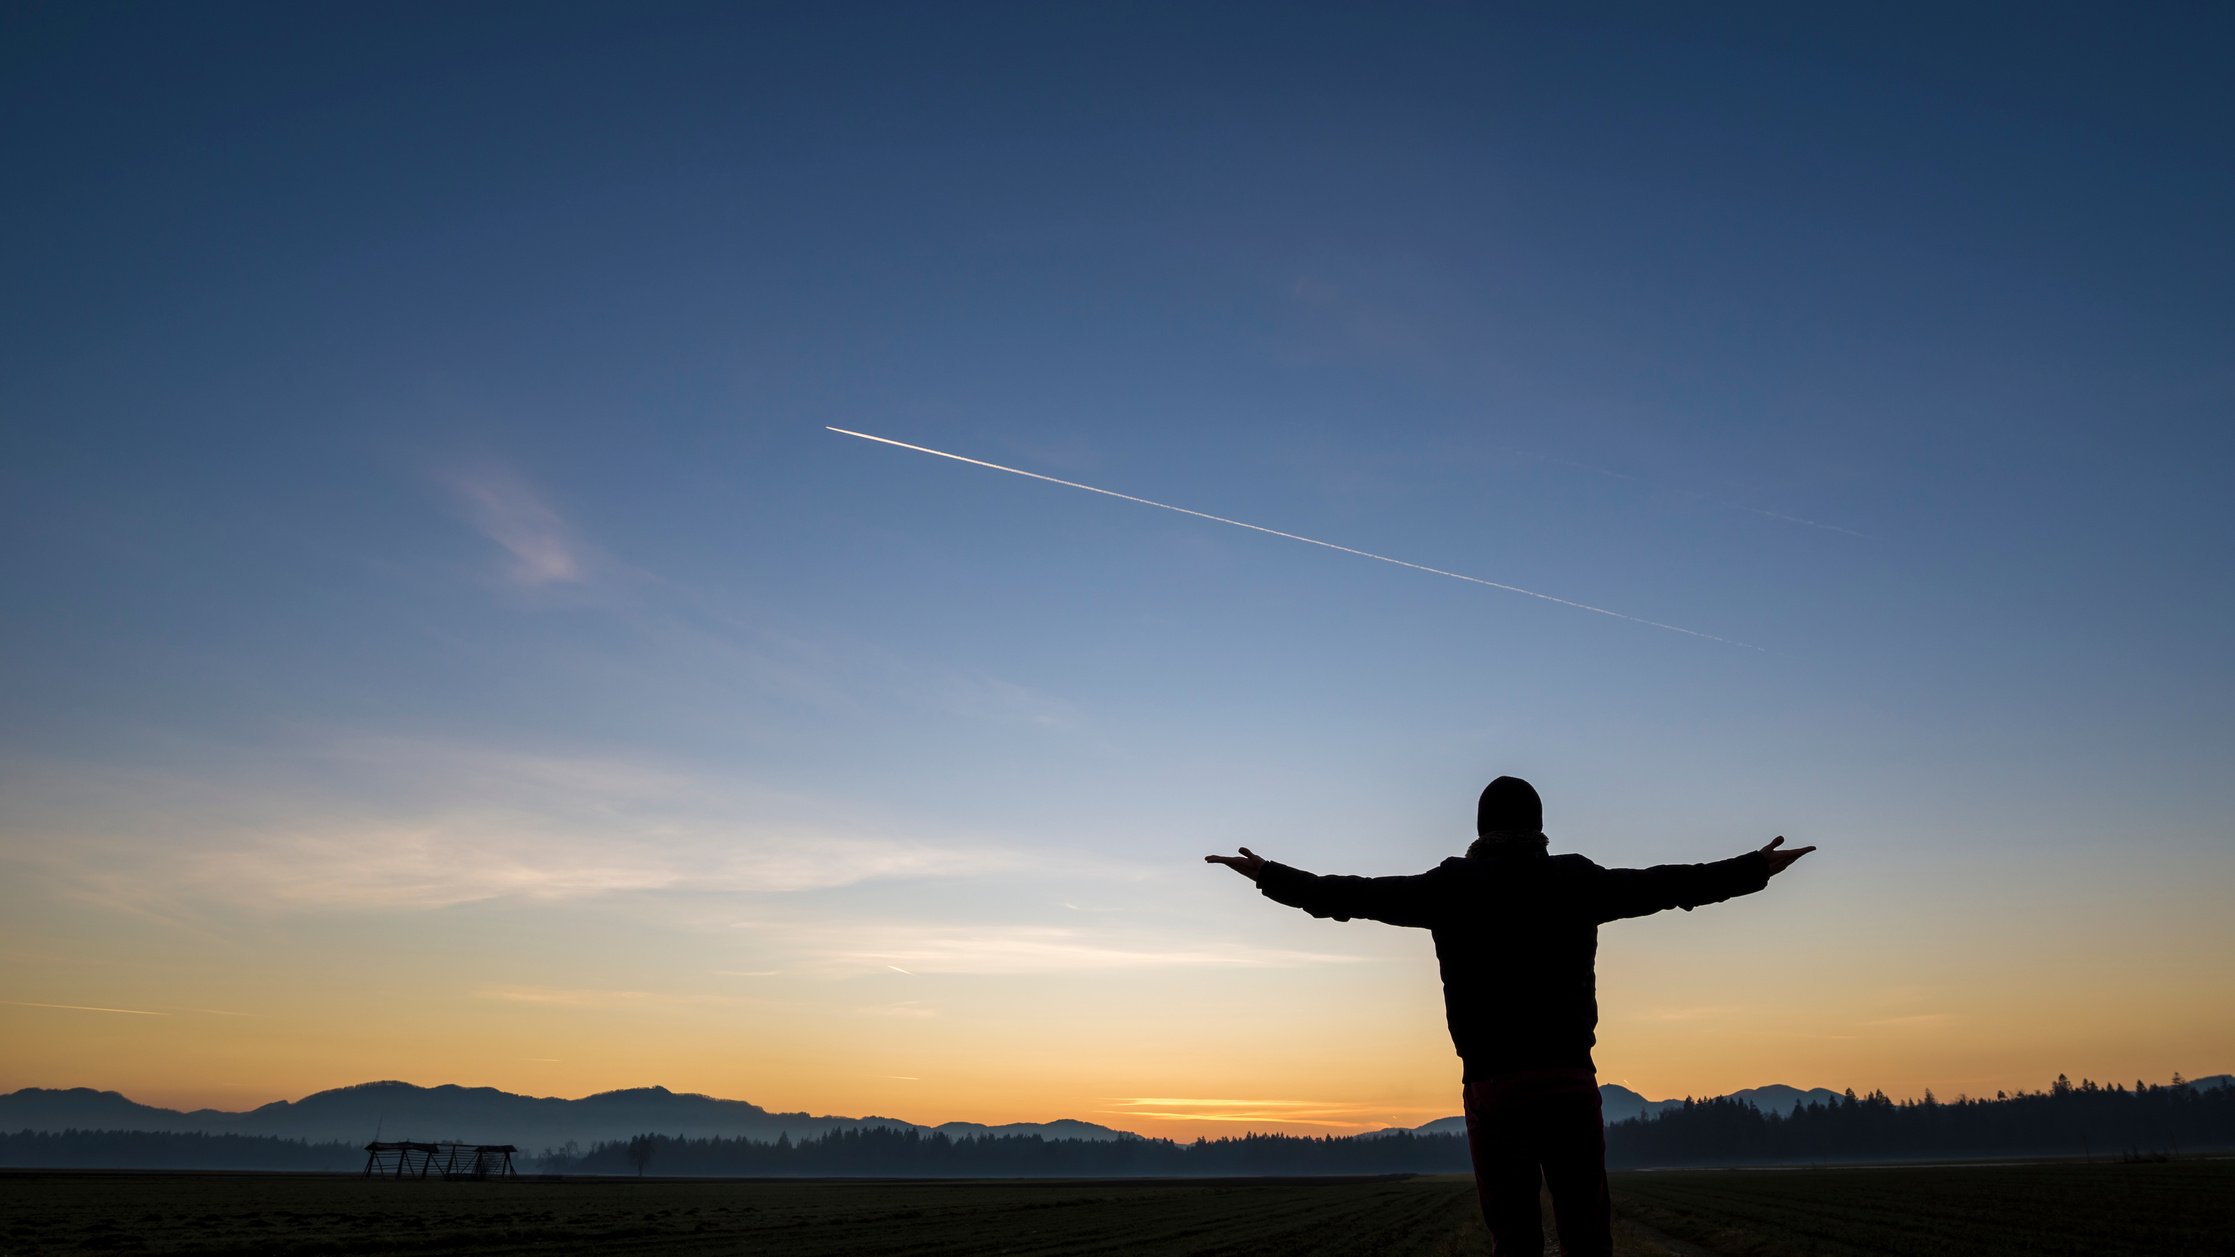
pixel 1499 846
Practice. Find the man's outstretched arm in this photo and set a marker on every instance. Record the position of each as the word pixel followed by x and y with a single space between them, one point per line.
pixel 1619 893
pixel 1397 900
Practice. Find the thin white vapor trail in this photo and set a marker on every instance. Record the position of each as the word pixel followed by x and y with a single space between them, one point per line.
pixel 1312 541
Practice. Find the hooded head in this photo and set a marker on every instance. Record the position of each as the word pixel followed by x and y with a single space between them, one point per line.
pixel 1509 805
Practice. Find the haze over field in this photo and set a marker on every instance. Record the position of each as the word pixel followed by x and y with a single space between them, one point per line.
pixel 348 1114
pixel 443 641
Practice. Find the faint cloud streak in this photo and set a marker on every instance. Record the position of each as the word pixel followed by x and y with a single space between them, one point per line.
pixel 1912 1021
pixel 83 1008
pixel 507 512
pixel 1694 494
pixel 590 997
pixel 430 825
pixel 1019 950
pixel 1692 1014
pixel 1259 1112
pixel 907 1009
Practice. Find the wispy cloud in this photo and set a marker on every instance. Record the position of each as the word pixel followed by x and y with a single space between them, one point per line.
pixel 716 638
pixel 1374 312
pixel 592 997
pixel 509 513
pixel 1910 1021
pixel 453 767
pixel 83 1008
pixel 1701 1013
pixel 1261 1112
pixel 1694 494
pixel 1174 1102
pixel 946 948
pixel 1242 1118
pixel 445 860
pixel 395 824
pixel 992 698
pixel 907 1009
pixel 843 673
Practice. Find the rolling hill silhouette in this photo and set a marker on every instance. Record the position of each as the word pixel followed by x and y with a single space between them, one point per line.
pixel 1620 1104
pixel 400 1110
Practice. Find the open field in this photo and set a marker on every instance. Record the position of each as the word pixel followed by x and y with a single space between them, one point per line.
pixel 1978 1211
pixel 2163 1209
pixel 240 1214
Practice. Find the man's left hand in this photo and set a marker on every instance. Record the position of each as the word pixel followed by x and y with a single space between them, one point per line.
pixel 1780 860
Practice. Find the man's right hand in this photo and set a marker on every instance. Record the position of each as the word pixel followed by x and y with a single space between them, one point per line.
pixel 1248 863
pixel 1780 860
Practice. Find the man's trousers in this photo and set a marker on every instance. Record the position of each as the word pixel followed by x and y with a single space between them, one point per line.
pixel 1540 1126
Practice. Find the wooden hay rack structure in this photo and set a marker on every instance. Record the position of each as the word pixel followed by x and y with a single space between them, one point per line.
pixel 442 1160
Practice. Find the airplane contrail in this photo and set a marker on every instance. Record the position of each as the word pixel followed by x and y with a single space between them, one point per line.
pixel 1312 541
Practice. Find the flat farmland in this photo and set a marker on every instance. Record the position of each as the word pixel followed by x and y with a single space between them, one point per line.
pixel 1976 1211
pixel 240 1214
pixel 2161 1209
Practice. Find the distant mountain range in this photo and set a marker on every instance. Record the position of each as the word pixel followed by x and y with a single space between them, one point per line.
pixel 1620 1104
pixel 400 1110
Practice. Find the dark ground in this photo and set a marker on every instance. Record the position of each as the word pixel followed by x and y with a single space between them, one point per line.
pixel 1978 1211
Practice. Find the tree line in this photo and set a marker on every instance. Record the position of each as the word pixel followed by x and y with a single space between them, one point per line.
pixel 170 1150
pixel 2068 1119
pixel 888 1152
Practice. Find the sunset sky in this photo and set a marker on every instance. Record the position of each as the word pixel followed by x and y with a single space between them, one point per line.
pixel 442 640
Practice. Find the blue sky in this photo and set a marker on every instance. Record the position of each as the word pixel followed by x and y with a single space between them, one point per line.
pixel 417 501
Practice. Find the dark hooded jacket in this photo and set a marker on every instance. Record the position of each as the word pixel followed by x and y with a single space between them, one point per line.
pixel 1517 936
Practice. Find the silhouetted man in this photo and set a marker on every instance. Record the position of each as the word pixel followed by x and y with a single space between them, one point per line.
pixel 1517 933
